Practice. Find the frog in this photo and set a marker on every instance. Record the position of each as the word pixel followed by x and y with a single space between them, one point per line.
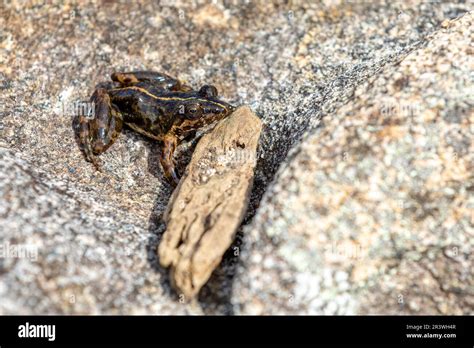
pixel 153 104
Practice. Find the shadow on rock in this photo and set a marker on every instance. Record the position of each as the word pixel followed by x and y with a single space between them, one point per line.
pixel 215 296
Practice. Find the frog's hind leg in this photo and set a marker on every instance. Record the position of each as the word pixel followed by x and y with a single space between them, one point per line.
pixel 156 79
pixel 84 137
pixel 99 130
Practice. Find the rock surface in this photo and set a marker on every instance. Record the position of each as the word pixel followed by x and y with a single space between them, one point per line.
pixel 373 214
pixel 96 234
pixel 209 203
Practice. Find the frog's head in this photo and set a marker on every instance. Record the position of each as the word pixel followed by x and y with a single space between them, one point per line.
pixel 204 107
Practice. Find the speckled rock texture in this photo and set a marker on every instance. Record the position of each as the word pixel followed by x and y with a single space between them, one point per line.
pixel 91 236
pixel 373 212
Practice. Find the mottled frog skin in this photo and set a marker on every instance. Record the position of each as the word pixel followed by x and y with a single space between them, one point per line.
pixel 153 104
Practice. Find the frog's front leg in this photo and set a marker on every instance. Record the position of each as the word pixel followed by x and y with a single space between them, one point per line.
pixel 156 79
pixel 166 159
pixel 99 130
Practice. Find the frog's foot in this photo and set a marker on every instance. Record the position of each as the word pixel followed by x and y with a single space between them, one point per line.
pixel 99 130
pixel 167 161
pixel 156 79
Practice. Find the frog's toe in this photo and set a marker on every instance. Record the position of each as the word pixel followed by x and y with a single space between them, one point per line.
pixel 90 157
pixel 95 161
pixel 170 173
pixel 99 146
pixel 174 178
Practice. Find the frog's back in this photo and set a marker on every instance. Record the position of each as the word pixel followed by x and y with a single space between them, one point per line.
pixel 144 111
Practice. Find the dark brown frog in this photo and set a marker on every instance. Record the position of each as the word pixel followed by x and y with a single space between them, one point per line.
pixel 153 104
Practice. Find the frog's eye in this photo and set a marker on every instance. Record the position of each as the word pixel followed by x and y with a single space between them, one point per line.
pixel 194 110
pixel 208 91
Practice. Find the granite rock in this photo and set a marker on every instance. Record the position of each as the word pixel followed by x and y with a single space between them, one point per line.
pixel 373 212
pixel 95 233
